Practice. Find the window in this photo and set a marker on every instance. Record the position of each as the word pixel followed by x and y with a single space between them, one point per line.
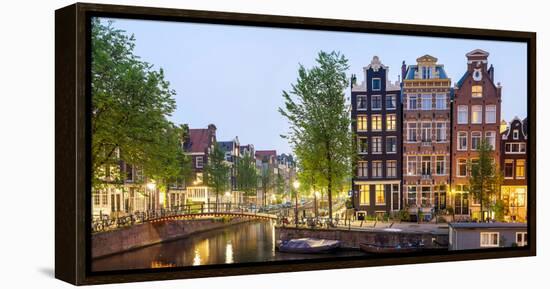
pixel 440 101
pixel 362 145
pixel 376 102
pixel 440 165
pixel 489 239
pixel 362 169
pixel 521 239
pixel 379 194
pixel 426 166
pixel 376 83
pixel 476 139
pixel 411 131
pixel 427 102
pixel 477 113
pixel 413 101
pixel 462 168
pixel 361 123
pixel 391 144
pixel 426 132
pixel 518 198
pixel 395 197
pixel 364 192
pixel 516 134
pixel 361 102
pixel 377 145
pixel 426 72
pixel 391 123
pixel 411 165
pixel 199 162
pixel 440 199
pixel 426 192
pixel 462 141
pixel 376 122
pixel 391 169
pixel 490 137
pixel 96 199
pixel 411 195
pixel 198 178
pixel 520 169
pixel 508 169
pixel 377 169
pixel 440 132
pixel 462 114
pixel 461 200
pixel 477 91
pixel 515 148
pixel 391 102
pixel 491 114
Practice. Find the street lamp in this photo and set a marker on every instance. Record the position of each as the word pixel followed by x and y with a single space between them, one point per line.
pixel 316 196
pixel 151 188
pixel 296 185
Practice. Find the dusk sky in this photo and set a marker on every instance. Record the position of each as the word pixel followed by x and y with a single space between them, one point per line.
pixel 233 76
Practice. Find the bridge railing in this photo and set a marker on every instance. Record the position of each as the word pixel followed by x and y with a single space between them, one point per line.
pixel 104 222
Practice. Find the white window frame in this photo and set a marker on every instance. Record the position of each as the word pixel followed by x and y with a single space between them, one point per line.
pixel 365 102
pixel 458 145
pixel 372 122
pixel 394 169
pixel 443 166
pixel 480 136
pixel 492 143
pixel 383 194
pixel 426 97
pixel 461 110
pixel 458 168
pixel 359 145
pixel 394 122
pixel 438 99
pixel 412 159
pixel 477 109
pixel 443 130
pixel 523 241
pixel 372 83
pixel 394 151
pixel 394 100
pixel 409 98
pixel 361 194
pixel 427 129
pixel 491 110
pixel 515 134
pixel 489 239
pixel 378 169
pixel 363 170
pixel 366 123
pixel 373 141
pixel 372 102
pixel 415 129
pixel 201 158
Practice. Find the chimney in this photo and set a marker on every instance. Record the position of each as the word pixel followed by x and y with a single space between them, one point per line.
pixel 403 70
pixel 491 73
pixel 353 80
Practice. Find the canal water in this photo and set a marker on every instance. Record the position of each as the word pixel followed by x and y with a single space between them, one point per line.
pixel 245 242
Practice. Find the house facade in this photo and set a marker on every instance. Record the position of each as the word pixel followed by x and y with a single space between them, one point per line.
pixel 513 162
pixel 470 236
pixel 232 156
pixel 198 145
pixel 476 116
pixel 426 136
pixel 266 164
pixel 376 122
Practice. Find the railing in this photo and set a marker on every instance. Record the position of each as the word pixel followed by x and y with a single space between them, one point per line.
pixel 104 222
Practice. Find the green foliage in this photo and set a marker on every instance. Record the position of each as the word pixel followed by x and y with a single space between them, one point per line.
pixel 404 215
pixel 498 209
pixel 485 179
pixel 216 171
pixel 131 102
pixel 247 176
pixel 320 124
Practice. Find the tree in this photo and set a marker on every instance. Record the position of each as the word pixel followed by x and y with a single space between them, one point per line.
pixel 216 172
pixel 319 120
pixel 485 179
pixel 130 105
pixel 247 176
pixel 266 181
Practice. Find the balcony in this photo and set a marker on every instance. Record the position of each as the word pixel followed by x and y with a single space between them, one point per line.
pixel 426 176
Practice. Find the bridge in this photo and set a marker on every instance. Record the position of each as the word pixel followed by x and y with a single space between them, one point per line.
pixel 102 222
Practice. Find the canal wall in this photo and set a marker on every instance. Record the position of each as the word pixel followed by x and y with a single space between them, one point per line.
pixel 150 233
pixel 352 238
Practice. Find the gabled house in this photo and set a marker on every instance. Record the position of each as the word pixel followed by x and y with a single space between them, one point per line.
pixel 198 145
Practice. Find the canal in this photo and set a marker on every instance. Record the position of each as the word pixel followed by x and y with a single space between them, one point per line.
pixel 240 243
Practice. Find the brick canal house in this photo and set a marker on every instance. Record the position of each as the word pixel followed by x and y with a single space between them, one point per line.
pixel 199 144
pixel 513 161
pixel 266 165
pixel 376 122
pixel 232 156
pixel 426 136
pixel 476 115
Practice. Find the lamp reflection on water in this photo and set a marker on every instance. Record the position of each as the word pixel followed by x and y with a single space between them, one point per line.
pixel 229 253
pixel 202 253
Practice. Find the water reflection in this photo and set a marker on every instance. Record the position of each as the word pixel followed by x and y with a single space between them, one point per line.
pixel 247 242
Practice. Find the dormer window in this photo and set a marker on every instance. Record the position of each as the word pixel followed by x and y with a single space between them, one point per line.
pixel 426 73
pixel 376 84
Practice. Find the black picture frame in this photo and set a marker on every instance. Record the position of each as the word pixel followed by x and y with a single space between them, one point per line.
pixel 72 140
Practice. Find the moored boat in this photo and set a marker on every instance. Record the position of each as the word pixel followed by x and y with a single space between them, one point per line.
pixel 308 246
pixel 381 249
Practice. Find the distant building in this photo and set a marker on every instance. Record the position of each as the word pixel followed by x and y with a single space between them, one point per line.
pixel 426 136
pixel 513 162
pixel 467 236
pixel 198 145
pixel 286 170
pixel 266 164
pixel 232 150
pixel 476 116
pixel 376 121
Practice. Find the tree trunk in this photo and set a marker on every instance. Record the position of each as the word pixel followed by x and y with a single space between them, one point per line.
pixel 329 189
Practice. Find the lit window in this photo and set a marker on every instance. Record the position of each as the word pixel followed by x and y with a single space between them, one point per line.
pixel 380 196
pixel 462 114
pixel 462 169
pixel 489 239
pixel 477 91
pixel 490 114
pixel 376 122
pixel 520 169
pixel 361 122
pixel 391 123
pixel 364 192
pixel 477 113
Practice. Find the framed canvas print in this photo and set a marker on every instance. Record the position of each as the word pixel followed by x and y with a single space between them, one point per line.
pixel 195 144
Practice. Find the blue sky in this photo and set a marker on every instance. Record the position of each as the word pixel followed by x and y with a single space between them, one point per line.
pixel 233 76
